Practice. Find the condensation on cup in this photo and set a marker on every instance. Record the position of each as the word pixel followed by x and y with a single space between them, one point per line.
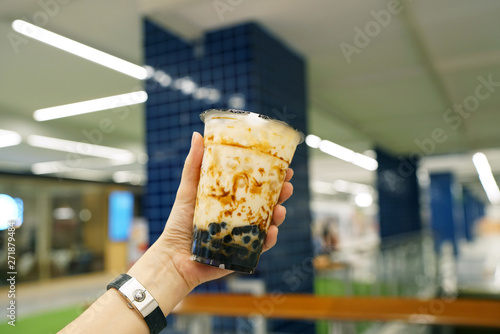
pixel 244 166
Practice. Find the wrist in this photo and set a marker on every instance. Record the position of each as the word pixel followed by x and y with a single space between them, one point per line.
pixel 162 280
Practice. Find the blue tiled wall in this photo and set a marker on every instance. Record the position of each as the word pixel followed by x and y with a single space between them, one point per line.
pixel 398 195
pixel 444 208
pixel 244 60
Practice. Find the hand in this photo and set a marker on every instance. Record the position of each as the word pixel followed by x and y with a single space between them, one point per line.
pixel 174 245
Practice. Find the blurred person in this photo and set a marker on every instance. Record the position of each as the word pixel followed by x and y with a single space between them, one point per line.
pixel 330 235
pixel 166 269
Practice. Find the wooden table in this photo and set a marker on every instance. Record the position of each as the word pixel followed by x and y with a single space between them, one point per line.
pixel 459 312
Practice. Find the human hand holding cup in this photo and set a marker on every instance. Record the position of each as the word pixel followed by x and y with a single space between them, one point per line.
pixel 244 166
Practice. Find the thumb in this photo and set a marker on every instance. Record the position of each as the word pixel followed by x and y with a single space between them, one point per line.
pixel 186 194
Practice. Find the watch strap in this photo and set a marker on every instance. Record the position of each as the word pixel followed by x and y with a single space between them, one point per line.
pixel 139 298
pixel 118 282
pixel 156 321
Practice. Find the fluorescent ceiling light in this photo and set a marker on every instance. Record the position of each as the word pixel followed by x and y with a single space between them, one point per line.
pixel 64 166
pixel 162 78
pixel 130 177
pixel 351 187
pixel 62 170
pixel 89 106
pixel 9 138
pixel 81 148
pixel 186 85
pixel 313 141
pixel 50 167
pixel 365 162
pixel 342 152
pixel 336 150
pixel 363 200
pixel 486 177
pixel 79 49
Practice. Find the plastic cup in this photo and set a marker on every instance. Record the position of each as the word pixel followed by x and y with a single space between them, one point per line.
pixel 244 166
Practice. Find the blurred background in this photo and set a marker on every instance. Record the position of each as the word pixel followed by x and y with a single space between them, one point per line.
pixel 395 186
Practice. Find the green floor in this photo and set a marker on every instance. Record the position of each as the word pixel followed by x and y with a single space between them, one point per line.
pixel 337 287
pixel 43 323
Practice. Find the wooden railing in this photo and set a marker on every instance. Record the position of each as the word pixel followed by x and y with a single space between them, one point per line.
pixel 459 312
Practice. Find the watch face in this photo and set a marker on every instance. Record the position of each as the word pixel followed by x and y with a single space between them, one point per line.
pixel 139 295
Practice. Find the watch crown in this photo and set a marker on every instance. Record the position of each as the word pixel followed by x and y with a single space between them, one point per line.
pixel 139 295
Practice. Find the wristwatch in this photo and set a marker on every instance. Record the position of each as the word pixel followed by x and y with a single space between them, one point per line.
pixel 141 300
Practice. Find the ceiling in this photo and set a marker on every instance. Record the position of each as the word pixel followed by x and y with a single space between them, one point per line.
pixel 376 78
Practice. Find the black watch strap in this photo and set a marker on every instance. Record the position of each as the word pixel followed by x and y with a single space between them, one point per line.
pixel 156 321
pixel 136 294
pixel 118 282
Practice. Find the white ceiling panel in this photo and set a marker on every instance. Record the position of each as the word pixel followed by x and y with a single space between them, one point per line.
pixel 481 87
pixel 456 28
pixel 397 98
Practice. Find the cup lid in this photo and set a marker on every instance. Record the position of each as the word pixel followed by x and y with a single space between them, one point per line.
pixel 204 114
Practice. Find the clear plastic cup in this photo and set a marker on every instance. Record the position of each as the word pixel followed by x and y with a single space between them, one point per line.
pixel 244 166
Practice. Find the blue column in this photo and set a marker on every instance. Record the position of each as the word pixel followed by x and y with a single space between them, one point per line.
pixel 473 211
pixel 398 195
pixel 443 209
pixel 244 66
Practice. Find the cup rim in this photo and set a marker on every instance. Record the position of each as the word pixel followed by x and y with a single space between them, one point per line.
pixel 245 112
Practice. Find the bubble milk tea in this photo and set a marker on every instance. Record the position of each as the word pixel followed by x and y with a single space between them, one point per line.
pixel 244 166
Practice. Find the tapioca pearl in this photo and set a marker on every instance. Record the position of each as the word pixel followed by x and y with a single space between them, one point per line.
pixel 256 244
pixel 246 239
pixel 255 230
pixel 223 225
pixel 216 244
pixel 227 239
pixel 246 229
pixel 236 231
pixel 204 235
pixel 214 228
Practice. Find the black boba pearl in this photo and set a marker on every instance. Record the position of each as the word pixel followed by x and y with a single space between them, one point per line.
pixel 227 239
pixel 255 230
pixel 237 231
pixel 223 224
pixel 204 236
pixel 214 228
pixel 262 235
pixel 216 244
pixel 246 229
pixel 256 244
pixel 246 239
